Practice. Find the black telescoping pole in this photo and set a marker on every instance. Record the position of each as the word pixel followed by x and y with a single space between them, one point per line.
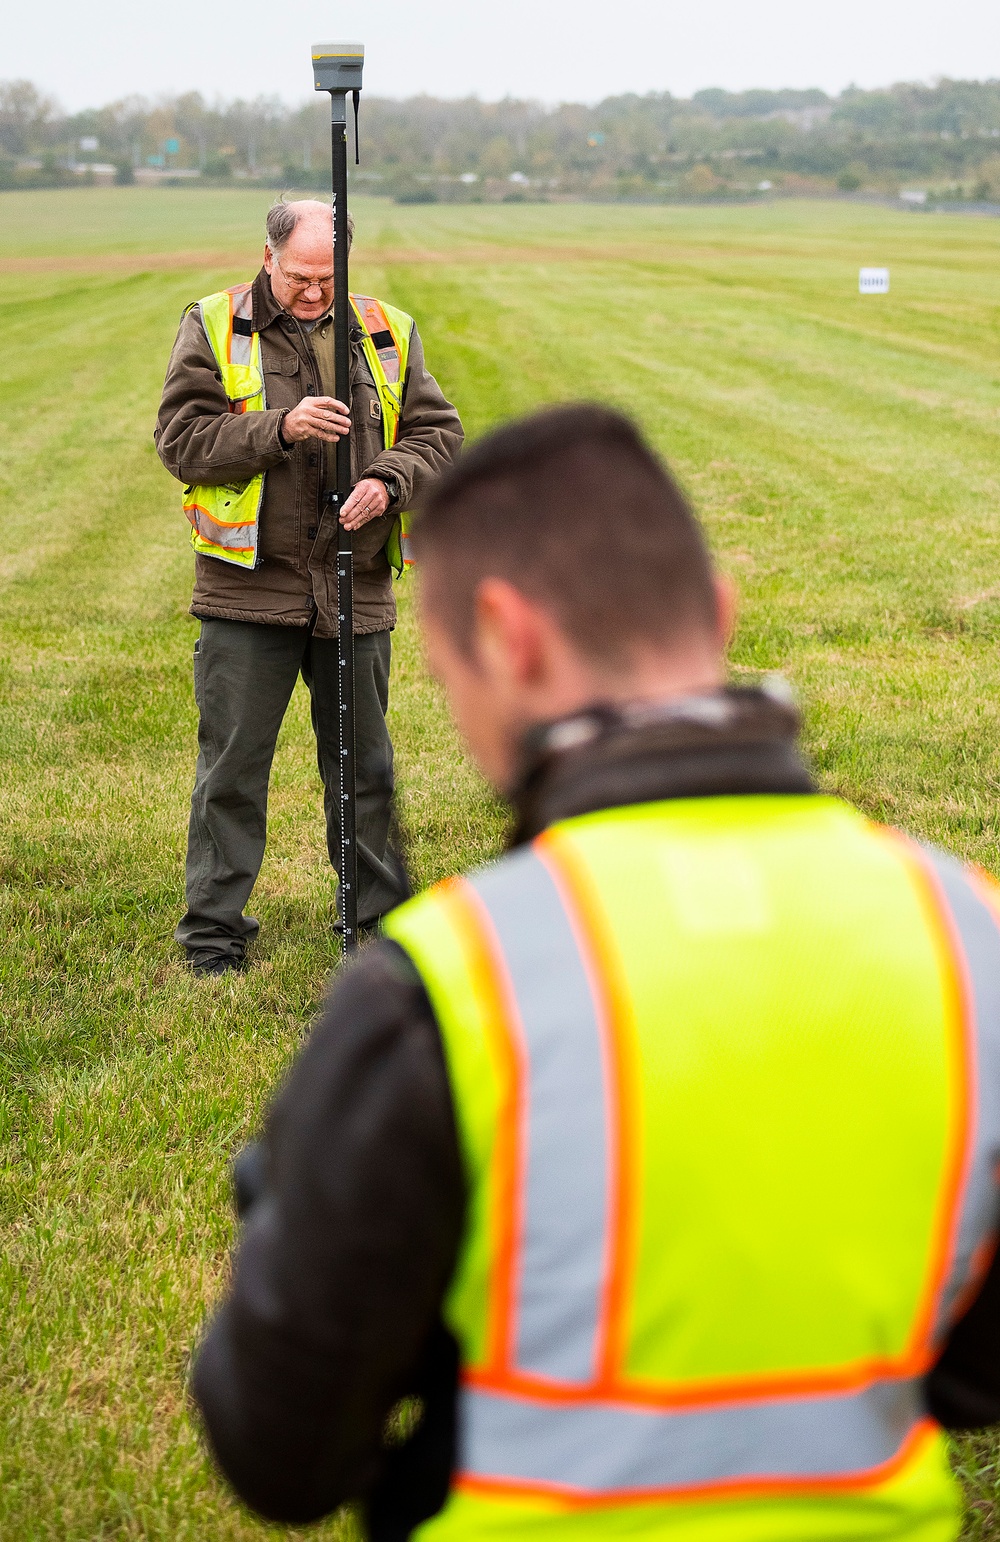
pixel 337 68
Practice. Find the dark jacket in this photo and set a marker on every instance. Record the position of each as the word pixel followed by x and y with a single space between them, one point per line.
pixel 356 1211
pixel 200 441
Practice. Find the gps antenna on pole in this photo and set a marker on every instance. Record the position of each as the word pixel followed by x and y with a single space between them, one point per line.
pixel 337 68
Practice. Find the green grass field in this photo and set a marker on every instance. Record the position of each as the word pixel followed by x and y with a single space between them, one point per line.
pixel 845 455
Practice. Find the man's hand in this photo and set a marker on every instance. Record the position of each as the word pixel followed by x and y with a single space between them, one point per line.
pixel 316 417
pixel 369 499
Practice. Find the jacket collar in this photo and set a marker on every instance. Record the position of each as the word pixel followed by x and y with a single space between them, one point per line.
pixel 264 307
pixel 731 742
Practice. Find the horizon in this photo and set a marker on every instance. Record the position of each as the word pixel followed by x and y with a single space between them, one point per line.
pixel 308 98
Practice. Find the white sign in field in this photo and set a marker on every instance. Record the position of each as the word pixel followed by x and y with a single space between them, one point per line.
pixel 873 281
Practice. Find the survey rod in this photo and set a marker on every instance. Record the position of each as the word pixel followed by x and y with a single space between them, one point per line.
pixel 337 68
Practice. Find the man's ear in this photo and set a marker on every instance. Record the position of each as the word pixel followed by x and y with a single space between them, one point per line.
pixel 508 631
pixel 726 606
pixel 268 258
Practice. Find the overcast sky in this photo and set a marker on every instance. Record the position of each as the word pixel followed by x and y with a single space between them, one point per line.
pixel 554 50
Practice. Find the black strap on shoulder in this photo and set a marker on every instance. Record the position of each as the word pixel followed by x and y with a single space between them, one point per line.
pixel 243 326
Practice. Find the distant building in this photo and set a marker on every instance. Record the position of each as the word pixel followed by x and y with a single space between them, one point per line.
pixel 102 172
pixel 804 118
pixel 152 176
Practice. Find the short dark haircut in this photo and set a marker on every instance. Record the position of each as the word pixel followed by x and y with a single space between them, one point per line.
pixel 572 507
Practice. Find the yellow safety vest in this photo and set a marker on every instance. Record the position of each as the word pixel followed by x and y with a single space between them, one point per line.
pixel 224 517
pixel 730 1171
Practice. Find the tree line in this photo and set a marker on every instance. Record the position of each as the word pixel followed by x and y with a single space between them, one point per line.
pixel 943 137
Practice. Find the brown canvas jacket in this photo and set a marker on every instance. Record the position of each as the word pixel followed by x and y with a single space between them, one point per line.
pixel 200 441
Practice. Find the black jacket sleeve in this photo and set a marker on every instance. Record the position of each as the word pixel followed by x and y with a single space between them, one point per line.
pixel 963 1389
pixel 349 1242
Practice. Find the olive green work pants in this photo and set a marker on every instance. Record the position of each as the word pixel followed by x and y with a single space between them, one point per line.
pixel 244 675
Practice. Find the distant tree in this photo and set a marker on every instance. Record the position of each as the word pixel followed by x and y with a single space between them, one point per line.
pixel 987 184
pixel 700 180
pixel 24 113
pixel 625 146
pixel 497 157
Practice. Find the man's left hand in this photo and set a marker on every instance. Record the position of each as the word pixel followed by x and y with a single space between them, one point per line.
pixel 369 499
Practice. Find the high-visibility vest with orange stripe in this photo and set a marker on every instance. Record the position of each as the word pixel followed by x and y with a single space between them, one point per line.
pixel 727 1080
pixel 224 517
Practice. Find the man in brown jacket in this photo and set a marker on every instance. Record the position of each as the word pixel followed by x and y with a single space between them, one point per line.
pixel 263 626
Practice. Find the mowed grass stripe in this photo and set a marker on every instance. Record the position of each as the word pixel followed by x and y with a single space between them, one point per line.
pixel 843 452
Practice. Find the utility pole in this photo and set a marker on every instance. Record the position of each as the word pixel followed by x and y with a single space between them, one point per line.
pixel 337 68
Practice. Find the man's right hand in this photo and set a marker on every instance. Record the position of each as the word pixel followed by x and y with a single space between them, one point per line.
pixel 316 417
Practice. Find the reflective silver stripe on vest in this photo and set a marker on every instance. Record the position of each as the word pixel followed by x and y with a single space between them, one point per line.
pixel 241 345
pixel 980 938
pixel 562 1261
pixel 602 1448
pixel 232 537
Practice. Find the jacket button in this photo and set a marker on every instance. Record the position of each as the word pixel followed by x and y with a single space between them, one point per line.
pixel 313 459
pixel 311 533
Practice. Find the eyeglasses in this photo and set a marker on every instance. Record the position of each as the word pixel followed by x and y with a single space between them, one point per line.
pixel 297 282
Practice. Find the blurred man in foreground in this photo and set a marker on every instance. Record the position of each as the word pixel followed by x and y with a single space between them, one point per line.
pixel 658 1159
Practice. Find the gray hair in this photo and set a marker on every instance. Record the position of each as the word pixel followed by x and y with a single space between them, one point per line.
pixel 282 218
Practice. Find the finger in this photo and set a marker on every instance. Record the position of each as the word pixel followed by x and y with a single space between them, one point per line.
pixel 356 513
pixel 331 420
pixel 323 407
pixel 327 407
pixel 367 492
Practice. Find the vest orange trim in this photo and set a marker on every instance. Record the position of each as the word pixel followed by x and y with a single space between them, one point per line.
pixel 378 326
pixel 987 888
pixel 617 1024
pixel 236 290
pixel 963 1058
pixel 496 994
